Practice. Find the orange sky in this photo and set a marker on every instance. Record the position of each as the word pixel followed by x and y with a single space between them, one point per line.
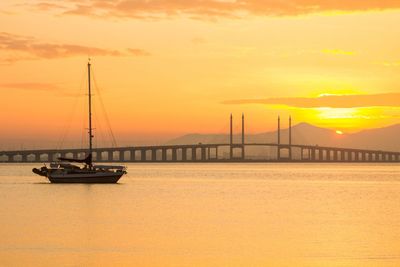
pixel 167 68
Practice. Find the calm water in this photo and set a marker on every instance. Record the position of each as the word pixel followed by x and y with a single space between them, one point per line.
pixel 205 215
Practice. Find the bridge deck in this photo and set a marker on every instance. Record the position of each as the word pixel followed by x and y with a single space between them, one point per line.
pixel 209 153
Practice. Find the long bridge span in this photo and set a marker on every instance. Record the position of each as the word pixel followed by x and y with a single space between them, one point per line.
pixel 218 152
pixel 205 153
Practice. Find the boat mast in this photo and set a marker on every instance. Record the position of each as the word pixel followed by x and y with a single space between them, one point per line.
pixel 90 112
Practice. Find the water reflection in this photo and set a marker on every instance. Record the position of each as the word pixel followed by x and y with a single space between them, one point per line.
pixel 205 215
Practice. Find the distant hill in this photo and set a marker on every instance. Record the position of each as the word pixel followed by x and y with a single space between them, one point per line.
pixel 386 138
pixel 381 138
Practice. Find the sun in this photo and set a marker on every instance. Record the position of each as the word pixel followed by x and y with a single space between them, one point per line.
pixel 339 132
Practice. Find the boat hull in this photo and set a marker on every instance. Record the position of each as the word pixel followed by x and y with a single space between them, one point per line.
pixel 85 179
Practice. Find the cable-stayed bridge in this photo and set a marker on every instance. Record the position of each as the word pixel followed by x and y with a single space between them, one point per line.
pixel 218 152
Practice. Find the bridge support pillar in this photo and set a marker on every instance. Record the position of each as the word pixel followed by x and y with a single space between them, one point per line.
pixel 216 153
pixel 194 154
pixel 108 156
pixel 132 155
pixel 313 154
pixel 154 154
pixel 184 154
pixel 328 155
pixel 163 154
pixel 341 153
pixel 203 154
pixel 174 158
pixel 278 152
pixel 143 155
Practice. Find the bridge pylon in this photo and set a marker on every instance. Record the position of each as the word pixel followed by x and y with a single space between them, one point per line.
pixel 232 145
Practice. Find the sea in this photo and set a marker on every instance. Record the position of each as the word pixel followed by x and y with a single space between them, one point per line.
pixel 216 214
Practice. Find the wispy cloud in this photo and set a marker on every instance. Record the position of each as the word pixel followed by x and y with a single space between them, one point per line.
pixel 198 40
pixel 30 86
pixel 49 88
pixel 210 8
pixel 138 52
pixel 331 101
pixel 391 63
pixel 17 47
pixel 337 52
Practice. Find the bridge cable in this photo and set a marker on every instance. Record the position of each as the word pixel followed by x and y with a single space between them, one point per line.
pixel 67 126
pixel 113 140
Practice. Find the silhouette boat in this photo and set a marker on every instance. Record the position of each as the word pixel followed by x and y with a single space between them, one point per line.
pixel 64 171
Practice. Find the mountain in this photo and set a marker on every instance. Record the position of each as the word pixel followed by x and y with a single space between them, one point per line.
pixel 386 138
pixel 303 133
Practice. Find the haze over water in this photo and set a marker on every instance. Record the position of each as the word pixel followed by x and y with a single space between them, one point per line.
pixel 205 215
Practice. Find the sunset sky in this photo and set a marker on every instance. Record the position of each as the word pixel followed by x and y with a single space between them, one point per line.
pixel 167 68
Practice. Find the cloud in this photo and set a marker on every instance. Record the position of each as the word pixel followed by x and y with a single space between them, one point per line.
pixel 138 52
pixel 337 52
pixel 44 6
pixel 331 101
pixel 18 48
pixel 30 86
pixel 198 40
pixel 391 63
pixel 210 8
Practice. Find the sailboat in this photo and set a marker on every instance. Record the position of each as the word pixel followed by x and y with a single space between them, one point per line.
pixel 64 171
